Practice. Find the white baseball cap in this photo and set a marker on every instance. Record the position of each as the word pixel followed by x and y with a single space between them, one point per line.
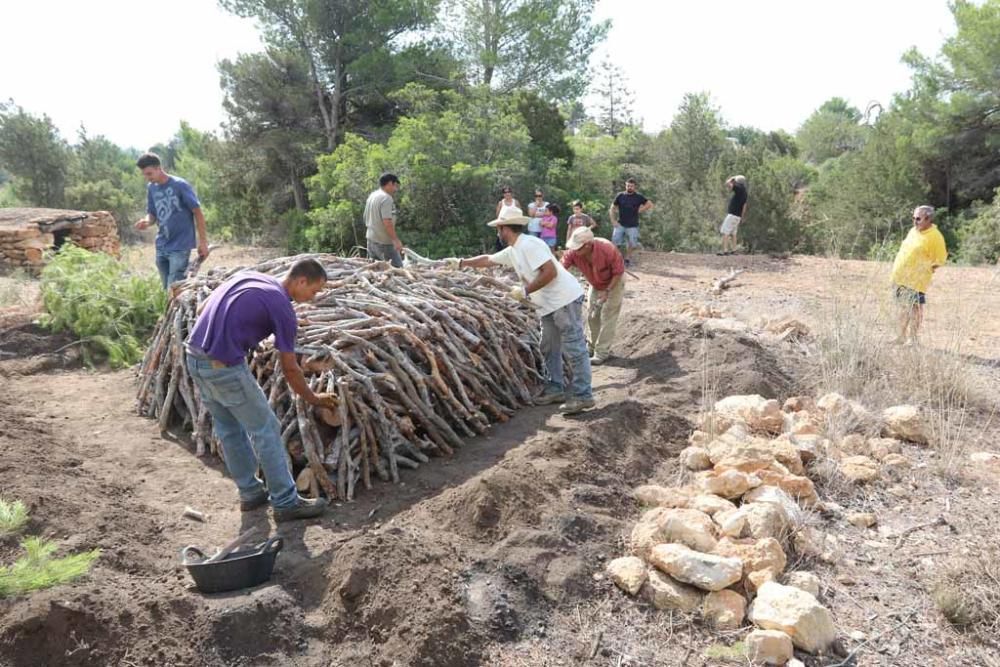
pixel 580 238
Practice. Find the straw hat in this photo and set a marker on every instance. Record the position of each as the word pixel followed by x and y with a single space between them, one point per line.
pixel 509 220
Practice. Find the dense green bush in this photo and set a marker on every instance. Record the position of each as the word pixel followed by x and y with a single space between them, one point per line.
pixel 980 236
pixel 97 298
pixel 452 156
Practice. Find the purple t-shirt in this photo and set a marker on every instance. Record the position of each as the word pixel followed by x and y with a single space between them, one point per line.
pixel 240 313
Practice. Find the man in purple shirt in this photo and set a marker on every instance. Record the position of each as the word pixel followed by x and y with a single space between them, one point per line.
pixel 239 314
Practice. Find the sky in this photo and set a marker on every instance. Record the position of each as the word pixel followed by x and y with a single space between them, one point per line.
pixel 135 69
pixel 767 63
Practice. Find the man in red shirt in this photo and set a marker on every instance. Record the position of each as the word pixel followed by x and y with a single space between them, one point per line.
pixel 602 265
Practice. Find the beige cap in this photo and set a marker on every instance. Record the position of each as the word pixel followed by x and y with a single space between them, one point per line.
pixel 580 238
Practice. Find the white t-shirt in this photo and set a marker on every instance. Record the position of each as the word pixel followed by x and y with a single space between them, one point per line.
pixel 509 211
pixel 536 222
pixel 526 257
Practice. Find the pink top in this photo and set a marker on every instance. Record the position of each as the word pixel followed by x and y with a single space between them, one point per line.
pixel 549 223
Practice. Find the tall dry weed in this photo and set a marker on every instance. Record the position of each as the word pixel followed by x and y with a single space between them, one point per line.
pixel 854 353
pixel 18 289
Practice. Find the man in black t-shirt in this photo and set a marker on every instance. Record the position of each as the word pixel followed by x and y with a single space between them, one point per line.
pixel 625 210
pixel 734 214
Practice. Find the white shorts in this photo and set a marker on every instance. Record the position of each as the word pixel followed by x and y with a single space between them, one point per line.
pixel 730 224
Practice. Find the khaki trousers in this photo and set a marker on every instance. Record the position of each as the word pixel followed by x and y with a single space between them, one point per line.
pixel 602 319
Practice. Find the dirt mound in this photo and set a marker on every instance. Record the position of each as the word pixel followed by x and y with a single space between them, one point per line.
pixel 661 349
pixel 498 544
pixel 495 558
pixel 26 347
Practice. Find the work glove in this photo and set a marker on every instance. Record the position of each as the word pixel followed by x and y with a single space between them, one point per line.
pixel 517 293
pixel 451 262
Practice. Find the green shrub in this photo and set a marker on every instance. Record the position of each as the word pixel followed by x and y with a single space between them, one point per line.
pixel 13 515
pixel 980 236
pixel 98 299
pixel 37 569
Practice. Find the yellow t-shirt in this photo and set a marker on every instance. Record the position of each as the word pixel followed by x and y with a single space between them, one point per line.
pixel 920 251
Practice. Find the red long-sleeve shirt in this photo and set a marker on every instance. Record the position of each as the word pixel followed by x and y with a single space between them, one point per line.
pixel 604 264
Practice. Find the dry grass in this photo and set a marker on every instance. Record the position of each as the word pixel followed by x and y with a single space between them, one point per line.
pixel 967 593
pixel 18 289
pixel 854 354
pixel 141 257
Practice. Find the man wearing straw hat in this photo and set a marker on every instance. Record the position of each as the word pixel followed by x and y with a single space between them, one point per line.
pixel 558 298
pixel 603 267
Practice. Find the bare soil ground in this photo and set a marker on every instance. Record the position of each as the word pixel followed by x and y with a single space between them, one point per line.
pixel 494 556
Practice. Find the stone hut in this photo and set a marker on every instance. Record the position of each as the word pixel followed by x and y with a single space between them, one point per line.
pixel 26 233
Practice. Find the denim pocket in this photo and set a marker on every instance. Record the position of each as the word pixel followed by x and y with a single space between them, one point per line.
pixel 225 385
pixel 562 318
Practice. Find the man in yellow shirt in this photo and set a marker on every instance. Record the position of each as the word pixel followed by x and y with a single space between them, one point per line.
pixel 921 253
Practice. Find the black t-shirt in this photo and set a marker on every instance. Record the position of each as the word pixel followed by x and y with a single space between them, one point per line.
pixel 737 201
pixel 628 208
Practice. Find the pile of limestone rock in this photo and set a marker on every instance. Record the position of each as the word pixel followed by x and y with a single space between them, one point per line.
pixel 27 233
pixel 719 546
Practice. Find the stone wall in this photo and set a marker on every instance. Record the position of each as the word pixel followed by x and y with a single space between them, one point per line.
pixel 26 233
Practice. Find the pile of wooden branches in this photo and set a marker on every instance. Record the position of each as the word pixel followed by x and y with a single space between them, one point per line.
pixel 418 358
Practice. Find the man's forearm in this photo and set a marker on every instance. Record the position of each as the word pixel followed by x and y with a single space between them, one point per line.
pixel 200 226
pixel 743 213
pixel 645 207
pixel 390 229
pixel 478 262
pixel 297 381
pixel 546 275
pixel 614 282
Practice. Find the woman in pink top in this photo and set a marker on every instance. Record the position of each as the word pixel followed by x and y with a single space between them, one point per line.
pixel 549 223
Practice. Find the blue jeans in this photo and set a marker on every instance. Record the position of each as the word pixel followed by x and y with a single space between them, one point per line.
pixel 562 331
pixel 172 265
pixel 384 252
pixel 248 428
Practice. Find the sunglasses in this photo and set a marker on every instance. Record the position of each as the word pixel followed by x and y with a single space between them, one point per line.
pixel 539 195
pixel 917 218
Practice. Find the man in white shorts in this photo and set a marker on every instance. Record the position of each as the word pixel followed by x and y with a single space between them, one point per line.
pixel 734 214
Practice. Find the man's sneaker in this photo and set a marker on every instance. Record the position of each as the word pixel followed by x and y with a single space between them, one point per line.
pixel 258 500
pixel 597 361
pixel 575 405
pixel 550 397
pixel 307 508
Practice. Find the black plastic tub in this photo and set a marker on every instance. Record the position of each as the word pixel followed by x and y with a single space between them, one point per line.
pixel 241 569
